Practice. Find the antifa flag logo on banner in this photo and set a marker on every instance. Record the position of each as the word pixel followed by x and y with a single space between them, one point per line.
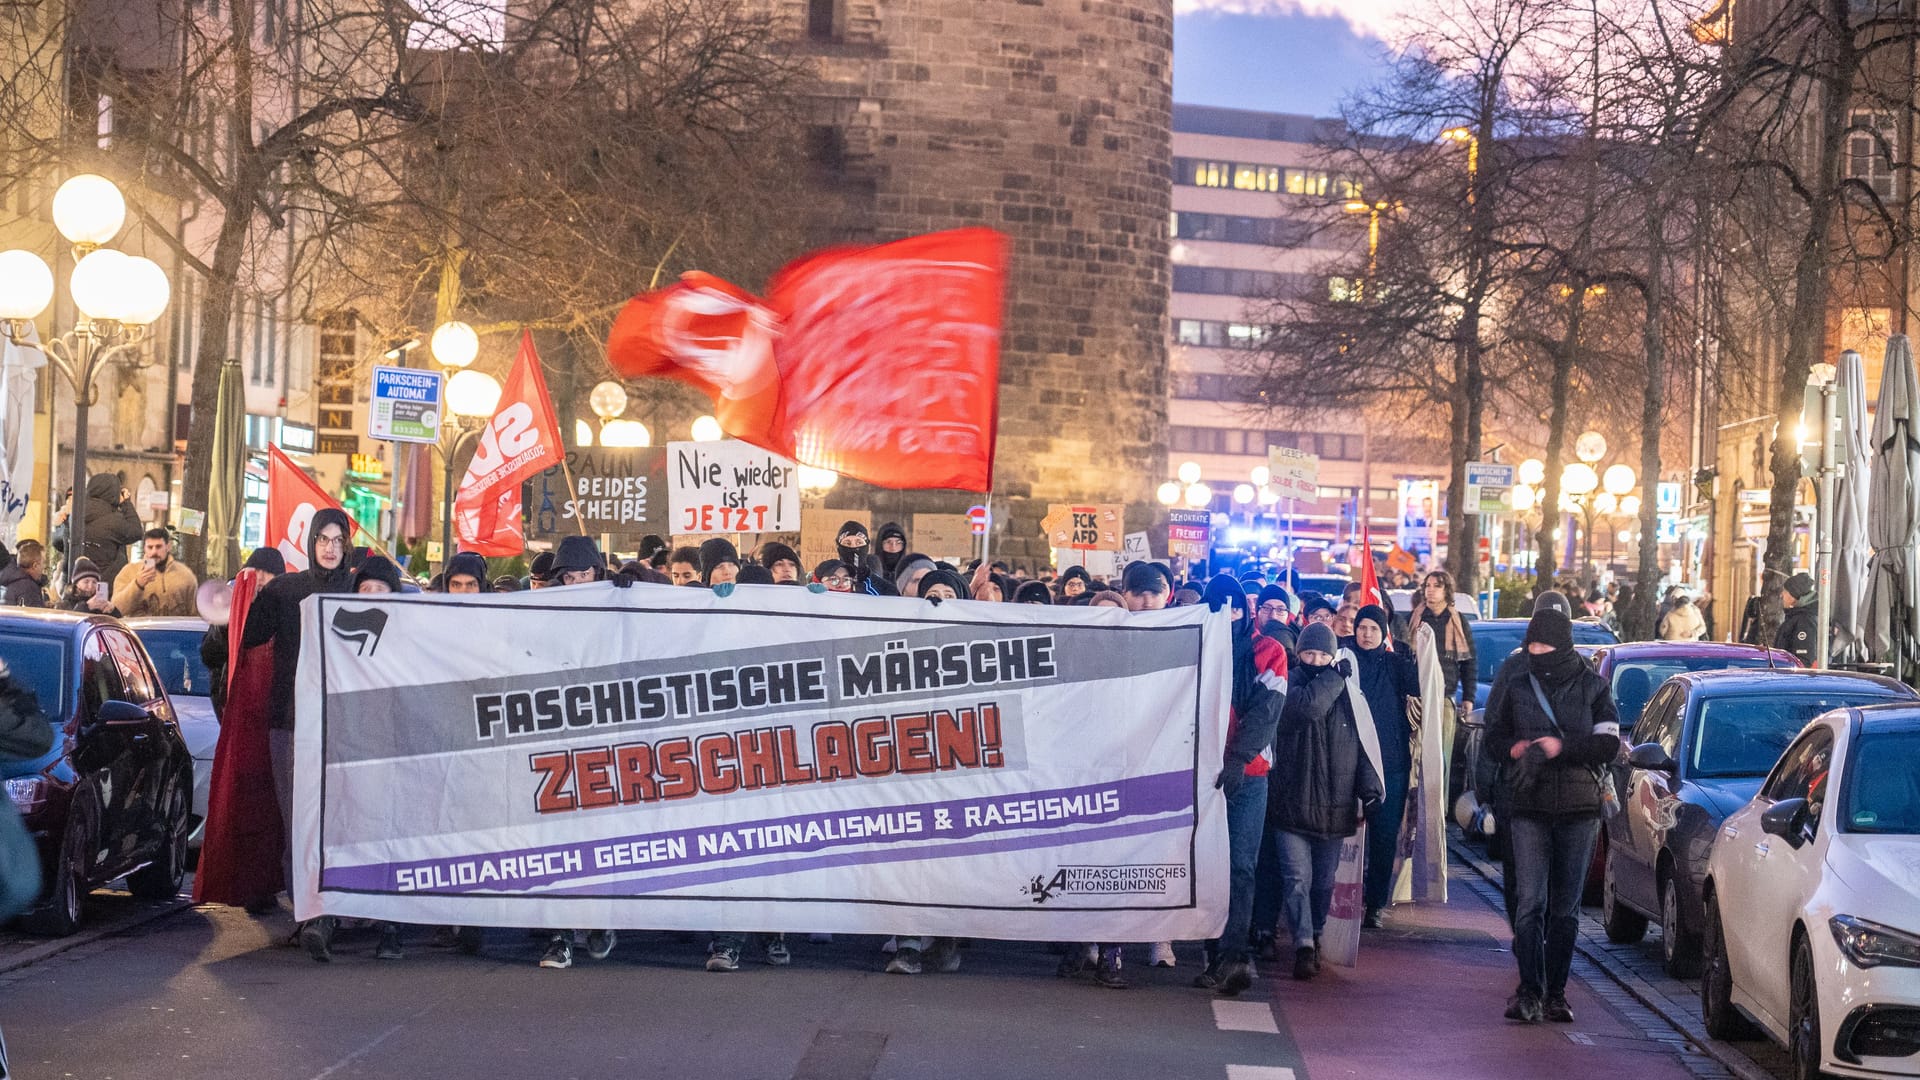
pixel 882 363
pixel 362 627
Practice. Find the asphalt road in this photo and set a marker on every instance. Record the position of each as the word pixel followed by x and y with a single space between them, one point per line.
pixel 209 993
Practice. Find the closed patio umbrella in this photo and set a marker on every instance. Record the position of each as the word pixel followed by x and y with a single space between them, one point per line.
pixel 225 489
pixel 1851 548
pixel 1893 516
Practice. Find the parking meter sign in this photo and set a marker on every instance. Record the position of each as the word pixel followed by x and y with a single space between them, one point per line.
pixel 405 405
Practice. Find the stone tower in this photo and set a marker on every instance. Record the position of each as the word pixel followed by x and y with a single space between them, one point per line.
pixel 1051 121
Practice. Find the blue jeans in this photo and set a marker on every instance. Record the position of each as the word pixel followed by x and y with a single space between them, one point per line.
pixel 1267 890
pixel 1550 869
pixel 1246 818
pixel 1383 837
pixel 1307 868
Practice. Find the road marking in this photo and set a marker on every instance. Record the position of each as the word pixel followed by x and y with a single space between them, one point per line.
pixel 1258 1072
pixel 1245 1016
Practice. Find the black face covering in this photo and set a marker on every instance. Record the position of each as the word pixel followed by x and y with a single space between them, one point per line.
pixel 1558 667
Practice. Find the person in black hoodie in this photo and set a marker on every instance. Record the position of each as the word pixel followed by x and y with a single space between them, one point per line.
pixel 781 561
pixel 890 546
pixel 1554 725
pixel 1323 784
pixel 1388 677
pixel 275 617
pixel 863 564
pixel 1799 632
pixel 109 525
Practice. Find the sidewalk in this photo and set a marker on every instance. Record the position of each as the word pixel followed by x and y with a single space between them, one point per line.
pixel 1426 1000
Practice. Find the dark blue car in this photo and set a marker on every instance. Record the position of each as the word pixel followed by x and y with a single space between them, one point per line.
pixel 1704 744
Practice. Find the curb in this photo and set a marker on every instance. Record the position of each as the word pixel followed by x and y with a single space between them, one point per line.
pixel 1639 989
pixel 36 954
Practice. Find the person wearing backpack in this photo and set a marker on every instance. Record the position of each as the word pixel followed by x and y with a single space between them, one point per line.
pixel 1554 726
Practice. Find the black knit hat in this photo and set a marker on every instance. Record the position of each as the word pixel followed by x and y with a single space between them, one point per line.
pixel 949 578
pixel 1800 587
pixel 773 551
pixel 753 574
pixel 473 565
pixel 1224 590
pixel 1276 592
pixel 541 566
pixel 377 568
pixel 714 552
pixel 1376 614
pixel 84 567
pixel 1034 592
pixel 265 559
pixel 1550 626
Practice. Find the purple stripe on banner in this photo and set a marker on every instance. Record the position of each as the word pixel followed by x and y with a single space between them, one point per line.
pixel 861 858
pixel 541 868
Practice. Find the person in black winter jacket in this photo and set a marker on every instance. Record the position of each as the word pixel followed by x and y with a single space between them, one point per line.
pixel 890 546
pixel 275 617
pixel 1323 784
pixel 1799 632
pixel 1554 725
pixel 110 524
pixel 1388 677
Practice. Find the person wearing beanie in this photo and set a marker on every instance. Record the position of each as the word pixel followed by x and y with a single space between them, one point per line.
pixel 1145 586
pixel 1554 599
pixel 1555 726
pixel 1108 598
pixel 538 569
pixel 1258 692
pixel 1323 785
pixel 834 574
pixel 908 572
pixel 467 573
pixel 1034 592
pixel 376 574
pixel 852 544
pixel 753 574
pixel 1799 631
pixel 652 545
pixel 781 561
pixel 890 544
pixel 85 590
pixel 942 585
pixel 1388 677
pixel 576 561
pixel 1073 581
pixel 719 561
pixel 1315 608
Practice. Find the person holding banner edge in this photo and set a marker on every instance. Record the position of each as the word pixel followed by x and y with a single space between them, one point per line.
pixel 1388 678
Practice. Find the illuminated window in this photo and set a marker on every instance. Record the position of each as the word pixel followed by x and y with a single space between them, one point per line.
pixel 1256 177
pixel 1306 182
pixel 1871 143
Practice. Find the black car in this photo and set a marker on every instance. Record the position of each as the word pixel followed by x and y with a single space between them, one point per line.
pixel 1705 742
pixel 114 797
pixel 1495 639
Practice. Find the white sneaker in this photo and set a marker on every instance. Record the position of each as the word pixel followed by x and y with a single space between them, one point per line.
pixel 1161 954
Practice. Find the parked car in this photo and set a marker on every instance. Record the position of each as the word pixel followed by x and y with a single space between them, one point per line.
pixel 173 643
pixel 1812 922
pixel 1496 639
pixel 114 797
pixel 1634 669
pixel 1705 742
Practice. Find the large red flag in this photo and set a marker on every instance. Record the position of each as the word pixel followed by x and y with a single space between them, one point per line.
pixel 521 439
pixel 882 363
pixel 292 500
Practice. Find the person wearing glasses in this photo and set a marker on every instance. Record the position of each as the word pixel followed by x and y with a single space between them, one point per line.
pixel 275 618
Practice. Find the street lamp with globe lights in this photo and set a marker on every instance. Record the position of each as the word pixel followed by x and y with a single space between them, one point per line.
pixel 1199 495
pixel 472 397
pixel 707 429
pixel 608 400
pixel 118 297
pixel 1169 493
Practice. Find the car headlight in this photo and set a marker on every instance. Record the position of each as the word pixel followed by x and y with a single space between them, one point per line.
pixel 1868 944
pixel 26 792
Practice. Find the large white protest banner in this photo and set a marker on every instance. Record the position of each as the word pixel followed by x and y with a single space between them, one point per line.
pixel 773 759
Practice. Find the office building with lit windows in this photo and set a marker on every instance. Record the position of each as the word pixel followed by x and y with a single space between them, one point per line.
pixel 1251 195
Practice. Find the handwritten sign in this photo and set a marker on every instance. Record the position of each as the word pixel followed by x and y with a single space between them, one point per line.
pixel 621 491
pixel 943 536
pixel 730 487
pixel 1088 527
pixel 1135 547
pixel 1296 473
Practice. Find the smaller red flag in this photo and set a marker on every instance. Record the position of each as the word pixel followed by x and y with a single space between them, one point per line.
pixel 522 438
pixel 1369 578
pixel 292 500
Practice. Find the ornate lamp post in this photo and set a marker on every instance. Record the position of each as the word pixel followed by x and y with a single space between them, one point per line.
pixel 472 397
pixel 117 295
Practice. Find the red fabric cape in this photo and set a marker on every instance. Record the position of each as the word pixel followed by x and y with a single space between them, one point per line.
pixel 241 854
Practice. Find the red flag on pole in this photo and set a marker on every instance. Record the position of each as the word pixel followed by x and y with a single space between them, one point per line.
pixel 292 500
pixel 522 438
pixel 1369 578
pixel 882 363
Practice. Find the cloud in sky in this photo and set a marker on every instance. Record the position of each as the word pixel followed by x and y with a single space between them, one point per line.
pixel 1379 19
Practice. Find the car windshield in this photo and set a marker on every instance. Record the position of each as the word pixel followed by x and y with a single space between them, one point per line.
pixel 1883 790
pixel 176 655
pixel 1744 734
pixel 1634 681
pixel 1493 642
pixel 39 664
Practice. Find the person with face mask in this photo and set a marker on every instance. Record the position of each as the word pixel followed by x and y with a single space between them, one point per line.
pixel 852 544
pixel 1555 726
pixel 1324 785
pixel 890 545
pixel 273 620
pixel 1388 677
pixel 156 585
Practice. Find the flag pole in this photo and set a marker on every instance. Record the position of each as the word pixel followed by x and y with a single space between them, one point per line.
pixel 573 495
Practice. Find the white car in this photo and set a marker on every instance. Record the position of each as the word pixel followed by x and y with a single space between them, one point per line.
pixel 1812 901
pixel 174 643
